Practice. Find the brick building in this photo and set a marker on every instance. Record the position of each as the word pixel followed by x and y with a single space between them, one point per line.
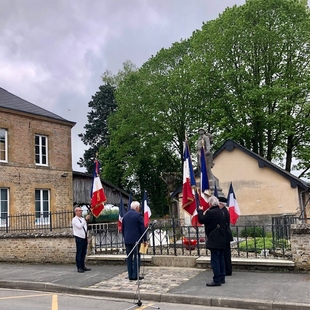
pixel 35 160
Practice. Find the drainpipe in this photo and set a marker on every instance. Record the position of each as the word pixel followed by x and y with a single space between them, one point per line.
pixel 302 206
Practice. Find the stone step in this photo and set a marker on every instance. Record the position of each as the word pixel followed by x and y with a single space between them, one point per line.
pixel 199 262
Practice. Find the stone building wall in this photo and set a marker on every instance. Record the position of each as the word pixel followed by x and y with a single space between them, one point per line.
pixel 22 176
pixel 300 245
pixel 44 248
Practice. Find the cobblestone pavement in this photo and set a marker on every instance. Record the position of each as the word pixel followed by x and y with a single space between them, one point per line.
pixel 156 280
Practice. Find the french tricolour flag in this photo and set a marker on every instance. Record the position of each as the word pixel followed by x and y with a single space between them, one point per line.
pixel 121 213
pixel 233 206
pixel 202 200
pixel 98 197
pixel 204 181
pixel 189 182
pixel 146 210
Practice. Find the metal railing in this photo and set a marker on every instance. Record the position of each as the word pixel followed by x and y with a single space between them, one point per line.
pixel 261 241
pixel 165 238
pixel 34 222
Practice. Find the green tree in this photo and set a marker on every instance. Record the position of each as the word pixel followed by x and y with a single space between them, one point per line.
pixel 260 59
pixel 96 130
pixel 148 129
pixel 244 76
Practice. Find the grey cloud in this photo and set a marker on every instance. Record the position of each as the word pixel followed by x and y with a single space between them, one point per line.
pixel 53 53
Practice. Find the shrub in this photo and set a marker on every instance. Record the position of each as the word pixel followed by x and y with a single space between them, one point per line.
pixel 256 245
pixel 282 244
pixel 253 232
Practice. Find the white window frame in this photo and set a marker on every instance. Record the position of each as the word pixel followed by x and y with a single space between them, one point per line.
pixel 5 160
pixel 40 153
pixel 42 216
pixel 6 202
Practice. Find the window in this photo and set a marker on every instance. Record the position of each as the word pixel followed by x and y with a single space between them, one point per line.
pixel 41 150
pixel 4 206
pixel 3 145
pixel 42 206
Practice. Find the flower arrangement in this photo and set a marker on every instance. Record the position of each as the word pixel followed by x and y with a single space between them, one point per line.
pixel 189 244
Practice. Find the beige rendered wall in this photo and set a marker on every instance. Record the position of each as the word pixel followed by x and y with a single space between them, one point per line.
pixel 258 190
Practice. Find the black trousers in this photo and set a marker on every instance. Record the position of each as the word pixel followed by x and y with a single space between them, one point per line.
pixel 81 249
pixel 227 258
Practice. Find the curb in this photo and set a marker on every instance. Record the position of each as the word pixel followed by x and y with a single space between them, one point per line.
pixel 156 297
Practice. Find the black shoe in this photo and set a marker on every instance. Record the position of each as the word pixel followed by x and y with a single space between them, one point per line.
pixel 223 281
pixel 80 270
pixel 134 279
pixel 213 284
pixel 228 274
pixel 86 269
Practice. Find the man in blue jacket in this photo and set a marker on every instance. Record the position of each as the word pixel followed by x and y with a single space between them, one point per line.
pixel 215 227
pixel 133 228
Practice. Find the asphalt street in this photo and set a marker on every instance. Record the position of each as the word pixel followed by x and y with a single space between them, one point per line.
pixel 243 290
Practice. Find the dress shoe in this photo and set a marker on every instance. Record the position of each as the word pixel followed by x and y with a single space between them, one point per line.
pixel 86 269
pixel 228 274
pixel 80 270
pixel 134 279
pixel 223 281
pixel 213 284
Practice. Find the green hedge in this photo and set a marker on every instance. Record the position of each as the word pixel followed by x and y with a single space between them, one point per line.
pixel 252 232
pixel 259 244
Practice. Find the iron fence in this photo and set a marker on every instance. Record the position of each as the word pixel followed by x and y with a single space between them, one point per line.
pixel 34 222
pixel 169 238
pixel 165 238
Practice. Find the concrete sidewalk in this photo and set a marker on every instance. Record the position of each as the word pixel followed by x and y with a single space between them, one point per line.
pixel 244 289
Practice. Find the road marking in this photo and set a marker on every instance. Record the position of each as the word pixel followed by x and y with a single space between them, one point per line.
pixel 144 307
pixel 55 302
pixel 27 296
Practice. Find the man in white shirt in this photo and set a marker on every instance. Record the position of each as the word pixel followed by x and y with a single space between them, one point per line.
pixel 79 225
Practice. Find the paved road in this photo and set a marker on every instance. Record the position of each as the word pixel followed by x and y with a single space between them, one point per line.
pixel 32 300
pixel 244 290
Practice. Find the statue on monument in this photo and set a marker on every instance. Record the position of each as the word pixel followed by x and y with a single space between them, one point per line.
pixel 205 139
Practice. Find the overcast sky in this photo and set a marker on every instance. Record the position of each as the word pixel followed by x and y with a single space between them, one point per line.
pixel 54 52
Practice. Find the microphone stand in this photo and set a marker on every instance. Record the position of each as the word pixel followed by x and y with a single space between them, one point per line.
pixel 136 247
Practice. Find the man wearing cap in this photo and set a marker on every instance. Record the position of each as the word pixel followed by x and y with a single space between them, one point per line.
pixel 229 237
pixel 215 228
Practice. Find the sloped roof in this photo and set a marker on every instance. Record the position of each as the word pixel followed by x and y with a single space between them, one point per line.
pixel 104 182
pixel 12 102
pixel 230 145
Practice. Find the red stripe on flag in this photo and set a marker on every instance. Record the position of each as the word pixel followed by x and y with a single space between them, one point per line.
pixel 146 210
pixel 233 206
pixel 189 183
pixel 98 197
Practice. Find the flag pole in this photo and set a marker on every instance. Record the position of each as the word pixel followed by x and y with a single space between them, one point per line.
pixel 136 248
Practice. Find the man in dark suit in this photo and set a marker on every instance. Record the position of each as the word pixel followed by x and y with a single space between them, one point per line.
pixel 214 221
pixel 229 237
pixel 133 228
